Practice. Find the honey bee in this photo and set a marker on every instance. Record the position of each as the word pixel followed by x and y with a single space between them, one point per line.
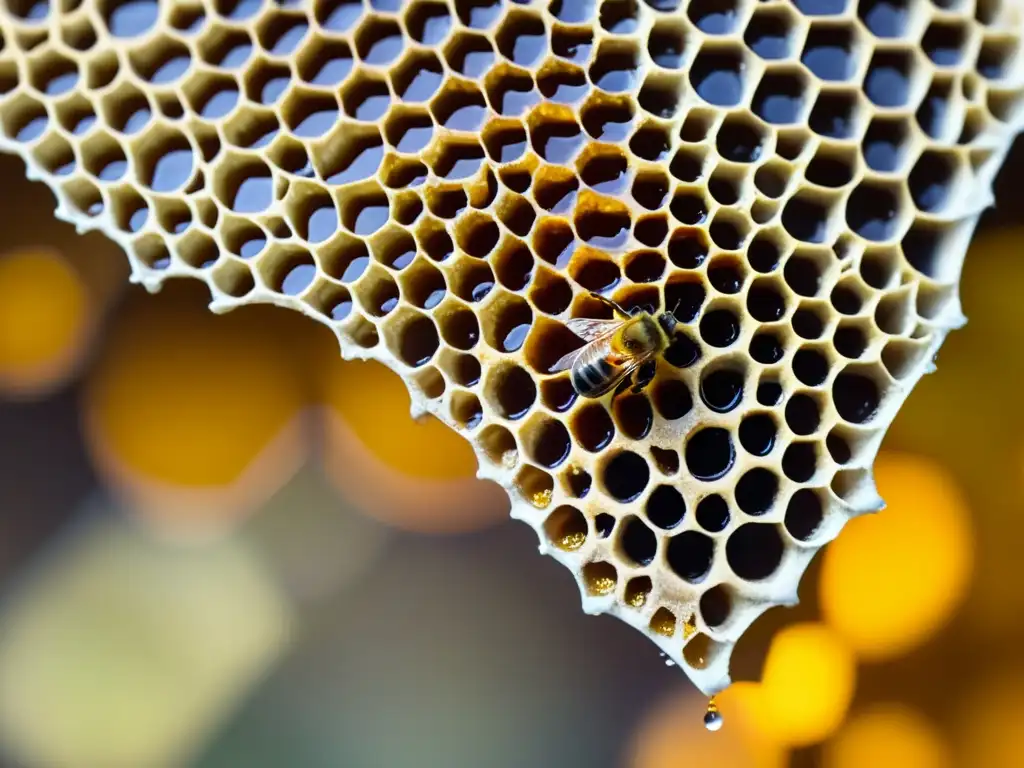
pixel 625 346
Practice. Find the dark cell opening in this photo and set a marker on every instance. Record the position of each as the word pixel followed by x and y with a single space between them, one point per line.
pixel 884 143
pixel 763 254
pixel 690 554
pixel 558 394
pixel 684 299
pixel 615 71
pixel 722 389
pixel 830 170
pixel 872 211
pixel 922 249
pixel 592 427
pixel 725 276
pixel 713 513
pixel 638 541
pixel 931 181
pixel 833 114
pixel 779 98
pixel 672 399
pixel 768 393
pixel 807 323
pixel 756 491
pixel 686 165
pixel 725 191
pixel 717 76
pixel 551 444
pixel 810 366
pixel 765 301
pixel 709 453
pixel 766 348
pixel 645 267
pixel 846 299
pixel 769 34
pixel 887 82
pixel 802 414
pixel 712 17
pixel 944 42
pixel 626 476
pixel 802 275
pixel 754 551
pixel 739 140
pixel 726 233
pixel 603 524
pixel 757 432
pixel 719 328
pixel 838 448
pixel 885 18
pixel 666 507
pixel 806 218
pixel 804 514
pixel 687 248
pixel 634 415
pixel 689 207
pixel 849 341
pixel 651 230
pixel 650 143
pixel 771 179
pixel 666 460
pixel 466 371
pixel 515 392
pixel 828 52
pixel 682 352
pixel 856 397
pixel 715 606
pixel 800 461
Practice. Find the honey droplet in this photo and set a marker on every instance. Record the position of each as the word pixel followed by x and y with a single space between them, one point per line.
pixel 541 498
pixel 712 717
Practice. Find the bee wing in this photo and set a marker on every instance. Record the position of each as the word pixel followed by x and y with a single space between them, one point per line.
pixel 565 363
pixel 590 329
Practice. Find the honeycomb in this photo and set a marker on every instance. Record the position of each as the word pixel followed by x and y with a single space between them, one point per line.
pixel 443 183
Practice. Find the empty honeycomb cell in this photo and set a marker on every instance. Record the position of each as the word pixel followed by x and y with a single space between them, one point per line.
pixel 665 507
pixel 443 183
pixel 634 416
pixel 637 542
pixel 690 554
pixel 712 513
pixel 754 551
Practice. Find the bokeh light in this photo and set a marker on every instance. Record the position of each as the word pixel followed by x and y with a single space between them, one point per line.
pixel 807 684
pixel 989 718
pixel 44 321
pixel 414 474
pixel 673 734
pixel 123 652
pixel 888 735
pixel 195 416
pixel 892 579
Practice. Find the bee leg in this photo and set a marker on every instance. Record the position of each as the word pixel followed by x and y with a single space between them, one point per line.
pixel 643 376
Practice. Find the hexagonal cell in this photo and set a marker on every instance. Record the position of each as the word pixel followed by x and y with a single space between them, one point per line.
pixel 889 78
pixel 718 74
pixel 459 106
pixel 833 51
pixel 418 76
pixel 324 62
pixel 379 41
pixel 667 44
pixel 615 67
pixel 428 22
pixel 365 97
pixel 521 38
pixel 782 96
pixel 772 31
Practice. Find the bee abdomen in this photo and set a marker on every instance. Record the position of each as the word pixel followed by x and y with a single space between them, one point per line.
pixel 593 375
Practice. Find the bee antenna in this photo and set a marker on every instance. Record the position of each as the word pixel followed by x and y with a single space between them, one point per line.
pixel 678 302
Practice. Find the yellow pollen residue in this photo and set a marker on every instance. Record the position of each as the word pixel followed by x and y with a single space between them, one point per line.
pixel 541 498
pixel 637 599
pixel 689 627
pixel 572 540
pixel 664 624
pixel 602 585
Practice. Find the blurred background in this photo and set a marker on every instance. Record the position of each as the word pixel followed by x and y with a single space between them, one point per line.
pixel 220 545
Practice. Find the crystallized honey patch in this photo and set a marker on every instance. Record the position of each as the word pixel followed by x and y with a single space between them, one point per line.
pixel 444 182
